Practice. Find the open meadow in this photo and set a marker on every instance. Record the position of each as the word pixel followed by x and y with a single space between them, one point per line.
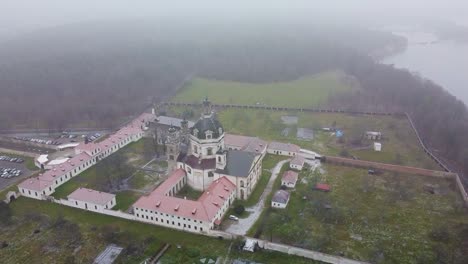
pixel 43 232
pixel 399 143
pixel 386 218
pixel 309 91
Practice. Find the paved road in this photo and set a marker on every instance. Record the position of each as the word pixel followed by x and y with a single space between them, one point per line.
pixel 243 225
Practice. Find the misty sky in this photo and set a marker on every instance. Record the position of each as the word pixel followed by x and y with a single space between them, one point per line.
pixel 18 16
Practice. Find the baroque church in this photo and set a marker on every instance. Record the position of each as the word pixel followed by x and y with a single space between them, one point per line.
pixel 206 153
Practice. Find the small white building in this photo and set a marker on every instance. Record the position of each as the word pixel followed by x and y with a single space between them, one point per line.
pixel 373 135
pixel 297 162
pixel 92 200
pixel 280 199
pixel 377 146
pixel 41 161
pixel 284 149
pixel 289 179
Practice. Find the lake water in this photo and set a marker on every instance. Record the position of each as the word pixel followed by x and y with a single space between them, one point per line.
pixel 443 61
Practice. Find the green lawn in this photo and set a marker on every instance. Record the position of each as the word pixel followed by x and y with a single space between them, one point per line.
pixel 309 91
pixel 86 234
pixel 189 193
pixel 382 219
pixel 125 199
pixel 399 146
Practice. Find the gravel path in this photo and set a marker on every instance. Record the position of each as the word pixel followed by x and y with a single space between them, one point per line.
pixel 243 225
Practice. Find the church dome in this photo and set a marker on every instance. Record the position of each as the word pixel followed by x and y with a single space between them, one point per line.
pixel 208 127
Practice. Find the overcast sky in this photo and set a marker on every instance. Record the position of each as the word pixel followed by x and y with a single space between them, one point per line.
pixel 18 16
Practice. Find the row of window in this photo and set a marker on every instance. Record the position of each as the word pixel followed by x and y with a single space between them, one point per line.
pixel 167 215
pixel 170 222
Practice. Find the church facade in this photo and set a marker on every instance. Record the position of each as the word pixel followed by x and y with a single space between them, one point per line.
pixel 206 158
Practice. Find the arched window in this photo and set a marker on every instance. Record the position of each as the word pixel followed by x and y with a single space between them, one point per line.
pixel 219 158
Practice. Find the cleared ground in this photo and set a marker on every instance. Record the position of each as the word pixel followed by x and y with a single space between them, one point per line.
pixel 42 232
pixel 389 218
pixel 309 91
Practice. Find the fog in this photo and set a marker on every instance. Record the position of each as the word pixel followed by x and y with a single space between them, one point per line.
pixel 20 16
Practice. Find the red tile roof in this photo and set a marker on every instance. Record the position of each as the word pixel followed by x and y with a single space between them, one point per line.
pixel 322 187
pixel 91 196
pixel 197 163
pixel 173 179
pixel 289 176
pixel 35 184
pixel 298 160
pixel 204 209
pixel 45 180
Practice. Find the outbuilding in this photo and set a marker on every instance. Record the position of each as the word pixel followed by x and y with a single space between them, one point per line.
pixel 297 162
pixel 289 179
pixel 280 199
pixel 377 146
pixel 92 200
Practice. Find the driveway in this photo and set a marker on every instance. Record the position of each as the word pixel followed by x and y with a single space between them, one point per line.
pixel 243 225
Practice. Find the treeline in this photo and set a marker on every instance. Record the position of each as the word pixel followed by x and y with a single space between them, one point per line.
pixel 93 75
pixel 96 75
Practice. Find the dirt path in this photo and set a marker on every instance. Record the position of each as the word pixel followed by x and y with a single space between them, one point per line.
pixel 243 225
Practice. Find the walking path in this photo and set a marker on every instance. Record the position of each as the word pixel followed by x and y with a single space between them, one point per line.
pixel 243 225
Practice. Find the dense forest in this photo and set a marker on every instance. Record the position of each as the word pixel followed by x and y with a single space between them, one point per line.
pixel 95 75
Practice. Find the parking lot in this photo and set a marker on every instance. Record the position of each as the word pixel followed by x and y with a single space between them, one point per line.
pixel 13 166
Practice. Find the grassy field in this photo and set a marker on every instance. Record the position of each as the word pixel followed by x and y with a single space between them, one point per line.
pixel 399 145
pixel 43 232
pixel 309 91
pixel 125 199
pixel 117 166
pixel 388 218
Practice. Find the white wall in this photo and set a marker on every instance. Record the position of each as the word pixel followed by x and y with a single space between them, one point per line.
pixel 278 205
pixel 281 152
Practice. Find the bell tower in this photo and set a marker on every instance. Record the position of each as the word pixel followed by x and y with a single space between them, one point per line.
pixel 172 144
pixel 185 133
pixel 207 107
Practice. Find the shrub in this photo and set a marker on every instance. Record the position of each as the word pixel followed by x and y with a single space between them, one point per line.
pixel 192 252
pixel 239 209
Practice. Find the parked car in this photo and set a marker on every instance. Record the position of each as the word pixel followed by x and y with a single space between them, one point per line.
pixel 233 217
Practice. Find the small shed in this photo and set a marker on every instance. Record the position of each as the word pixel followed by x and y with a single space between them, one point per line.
pixel 250 245
pixel 377 146
pixel 322 187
